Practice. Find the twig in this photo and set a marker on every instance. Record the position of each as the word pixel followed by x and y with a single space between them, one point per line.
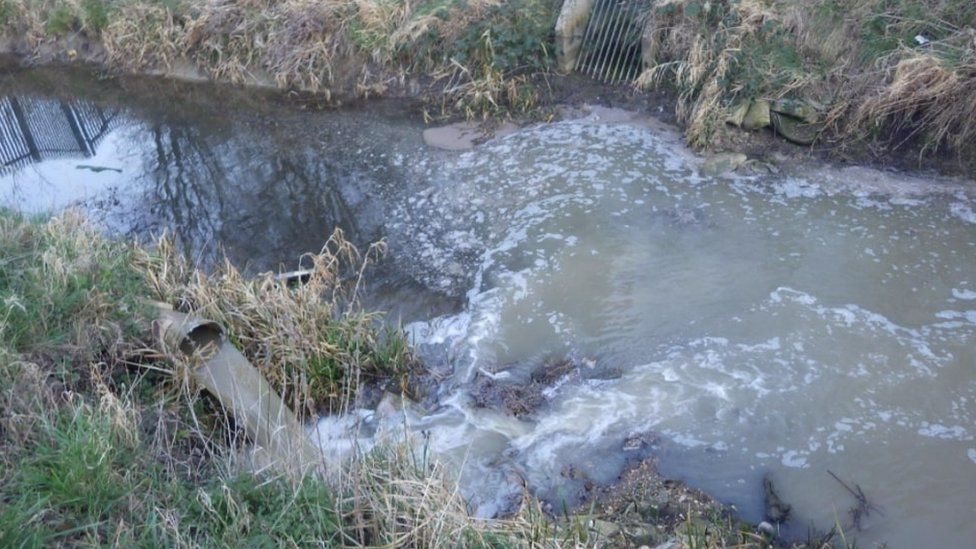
pixel 863 507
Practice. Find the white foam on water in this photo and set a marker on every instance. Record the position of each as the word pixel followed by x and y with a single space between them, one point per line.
pixel 743 316
pixel 795 459
pixel 964 294
pixel 954 432
pixel 963 211
pixel 343 436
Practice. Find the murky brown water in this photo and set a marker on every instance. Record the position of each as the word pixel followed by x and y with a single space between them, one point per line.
pixel 783 324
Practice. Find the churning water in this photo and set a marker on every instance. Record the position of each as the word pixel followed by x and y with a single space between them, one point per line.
pixel 784 324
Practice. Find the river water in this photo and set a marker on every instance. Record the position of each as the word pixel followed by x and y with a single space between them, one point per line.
pixel 782 324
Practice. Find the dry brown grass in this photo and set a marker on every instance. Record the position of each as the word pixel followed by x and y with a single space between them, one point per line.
pixel 858 59
pixel 333 47
pixel 312 342
pixel 925 100
pixel 143 37
pixel 127 455
pixel 699 60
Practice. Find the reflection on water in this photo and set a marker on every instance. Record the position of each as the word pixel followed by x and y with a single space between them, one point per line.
pixel 260 185
pixel 35 129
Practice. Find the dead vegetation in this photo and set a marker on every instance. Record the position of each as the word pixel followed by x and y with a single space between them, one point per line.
pixel 881 75
pixel 311 341
pixel 925 99
pixel 101 445
pixel 886 74
pixel 472 57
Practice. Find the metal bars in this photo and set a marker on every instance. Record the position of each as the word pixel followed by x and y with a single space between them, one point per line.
pixel 611 49
pixel 32 130
pixel 15 150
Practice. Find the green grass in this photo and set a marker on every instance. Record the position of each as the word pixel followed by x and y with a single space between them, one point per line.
pixel 60 289
pixel 6 12
pixel 61 18
pixel 97 450
pixel 85 480
pixel 80 467
pixel 241 512
pixel 99 446
pixel 892 25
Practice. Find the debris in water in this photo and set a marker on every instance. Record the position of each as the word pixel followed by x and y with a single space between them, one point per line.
pixel 862 508
pixel 97 169
pixel 777 510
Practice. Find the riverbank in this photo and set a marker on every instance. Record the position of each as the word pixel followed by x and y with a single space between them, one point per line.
pixel 883 82
pixel 104 441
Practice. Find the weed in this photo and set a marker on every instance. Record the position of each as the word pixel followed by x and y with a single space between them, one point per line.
pixel 78 466
pixel 96 14
pixel 61 20
pixel 120 458
pixel 904 77
pixel 20 525
pixel 245 511
pixel 6 12
pixel 313 343
pixel 62 287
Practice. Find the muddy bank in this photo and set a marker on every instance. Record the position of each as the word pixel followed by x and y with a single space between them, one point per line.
pixel 645 509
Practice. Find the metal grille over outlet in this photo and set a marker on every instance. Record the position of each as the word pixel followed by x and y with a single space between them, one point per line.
pixel 611 49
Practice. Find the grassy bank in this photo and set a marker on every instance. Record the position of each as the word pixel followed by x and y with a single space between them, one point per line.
pixel 882 78
pixel 887 74
pixel 887 79
pixel 477 54
pixel 105 441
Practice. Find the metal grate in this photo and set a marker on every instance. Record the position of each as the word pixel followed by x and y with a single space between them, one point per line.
pixel 611 49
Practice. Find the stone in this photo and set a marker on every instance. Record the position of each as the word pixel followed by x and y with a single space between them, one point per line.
pixel 795 130
pixel 738 114
pixel 722 163
pixel 605 529
pixel 750 115
pixel 641 534
pixel 766 528
pixel 669 544
pixel 757 116
pixel 796 108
